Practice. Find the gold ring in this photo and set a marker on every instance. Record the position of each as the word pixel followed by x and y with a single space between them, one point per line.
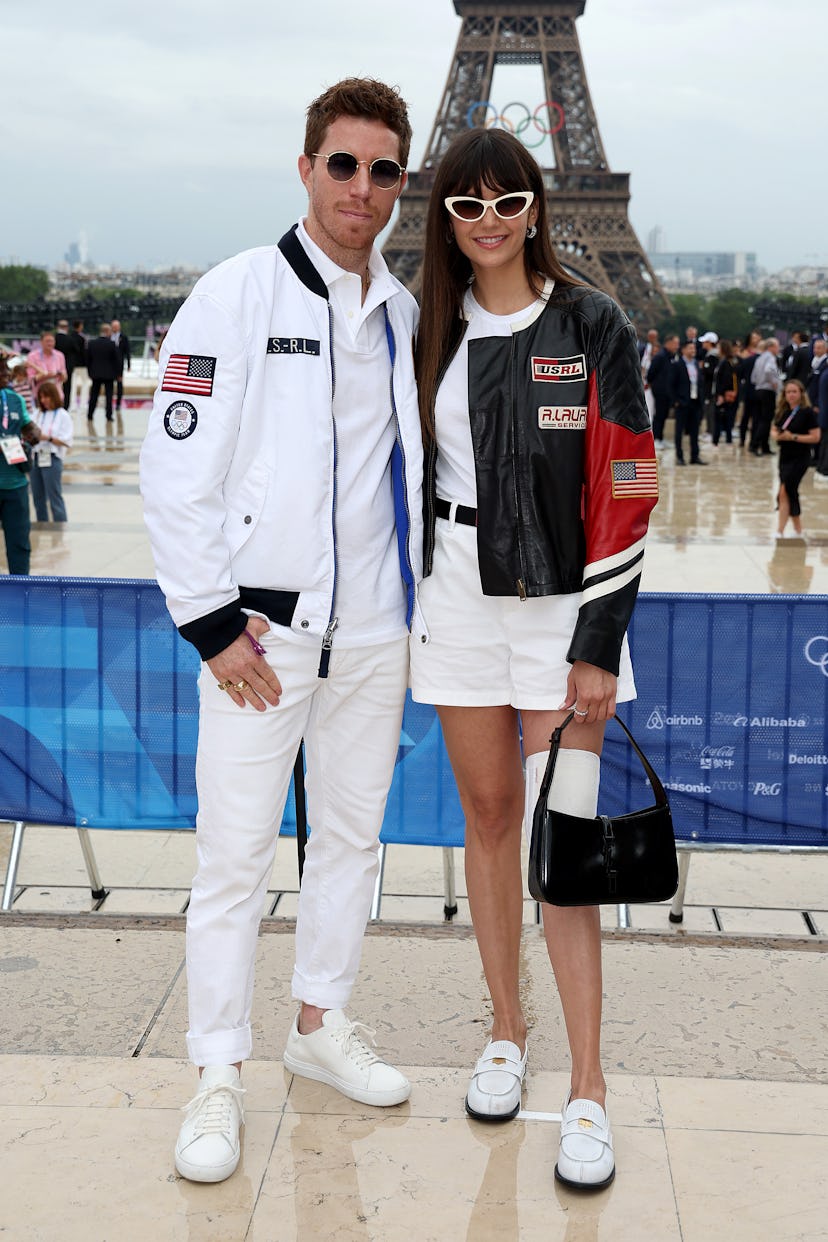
pixel 224 685
pixel 240 685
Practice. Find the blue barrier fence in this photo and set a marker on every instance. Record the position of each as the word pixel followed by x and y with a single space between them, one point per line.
pixel 98 718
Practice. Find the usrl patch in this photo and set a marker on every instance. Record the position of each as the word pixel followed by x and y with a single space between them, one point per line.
pixel 559 370
pixel 562 417
pixel 634 478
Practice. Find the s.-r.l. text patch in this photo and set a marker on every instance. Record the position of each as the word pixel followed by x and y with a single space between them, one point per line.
pixel 562 417
pixel 292 345
pixel 559 370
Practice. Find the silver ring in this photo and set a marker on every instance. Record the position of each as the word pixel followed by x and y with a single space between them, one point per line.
pixel 577 713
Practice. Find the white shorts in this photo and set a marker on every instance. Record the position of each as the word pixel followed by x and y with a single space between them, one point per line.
pixel 481 650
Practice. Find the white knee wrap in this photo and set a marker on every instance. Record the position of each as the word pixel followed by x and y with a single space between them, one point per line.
pixel 574 785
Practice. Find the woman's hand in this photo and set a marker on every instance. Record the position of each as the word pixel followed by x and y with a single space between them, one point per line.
pixel 590 693
pixel 245 676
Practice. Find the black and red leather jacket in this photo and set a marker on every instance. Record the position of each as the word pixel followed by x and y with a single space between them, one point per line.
pixel 565 465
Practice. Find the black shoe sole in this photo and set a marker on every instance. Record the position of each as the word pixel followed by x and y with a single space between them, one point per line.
pixel 489 1117
pixel 586 1187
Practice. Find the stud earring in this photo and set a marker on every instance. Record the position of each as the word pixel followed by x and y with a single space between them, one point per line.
pixel 532 232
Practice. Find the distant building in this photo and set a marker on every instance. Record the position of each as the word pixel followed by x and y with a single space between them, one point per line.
pixel 656 241
pixel 675 266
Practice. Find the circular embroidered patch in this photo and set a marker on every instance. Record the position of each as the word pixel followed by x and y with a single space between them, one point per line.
pixel 180 420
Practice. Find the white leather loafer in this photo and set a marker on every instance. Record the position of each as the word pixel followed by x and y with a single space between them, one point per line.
pixel 586 1160
pixel 497 1082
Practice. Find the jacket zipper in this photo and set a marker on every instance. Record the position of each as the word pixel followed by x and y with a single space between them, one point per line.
pixel 402 455
pixel 333 621
pixel 520 582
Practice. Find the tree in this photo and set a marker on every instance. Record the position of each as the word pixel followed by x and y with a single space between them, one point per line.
pixel 22 283
pixel 731 315
pixel 687 308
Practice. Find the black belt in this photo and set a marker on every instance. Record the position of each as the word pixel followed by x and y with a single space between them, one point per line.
pixel 463 514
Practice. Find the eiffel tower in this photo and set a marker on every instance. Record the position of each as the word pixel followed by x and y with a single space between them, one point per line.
pixel 587 203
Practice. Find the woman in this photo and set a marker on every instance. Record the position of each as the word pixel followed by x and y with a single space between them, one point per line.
pixel 747 394
pixel 15 426
pixel 56 433
pixel 540 477
pixel 795 430
pixel 726 392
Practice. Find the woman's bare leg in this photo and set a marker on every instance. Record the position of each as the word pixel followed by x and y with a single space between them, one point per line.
pixel 784 507
pixel 484 749
pixel 573 935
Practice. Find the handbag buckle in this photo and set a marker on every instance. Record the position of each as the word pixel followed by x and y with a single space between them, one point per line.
pixel 609 850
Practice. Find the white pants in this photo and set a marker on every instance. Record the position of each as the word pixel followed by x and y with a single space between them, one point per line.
pixel 351 725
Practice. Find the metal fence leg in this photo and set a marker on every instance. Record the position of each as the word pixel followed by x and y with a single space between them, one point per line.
pixel 98 890
pixel 11 869
pixel 449 891
pixel 377 900
pixel 677 908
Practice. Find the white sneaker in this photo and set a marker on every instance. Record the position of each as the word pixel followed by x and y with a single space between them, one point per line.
pixel 585 1160
pixel 337 1054
pixel 497 1082
pixel 208 1141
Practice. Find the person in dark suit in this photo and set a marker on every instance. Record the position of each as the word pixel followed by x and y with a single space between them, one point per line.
pixel 75 354
pixel 658 377
pixel 125 354
pixel 796 358
pixel 687 394
pixel 104 364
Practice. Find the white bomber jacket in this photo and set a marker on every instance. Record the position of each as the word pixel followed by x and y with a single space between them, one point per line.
pixel 238 468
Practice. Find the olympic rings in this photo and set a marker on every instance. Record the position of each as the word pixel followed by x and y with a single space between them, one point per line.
pixel 546 127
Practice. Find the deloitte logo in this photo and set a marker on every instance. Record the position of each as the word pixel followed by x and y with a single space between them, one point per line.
pixel 659 719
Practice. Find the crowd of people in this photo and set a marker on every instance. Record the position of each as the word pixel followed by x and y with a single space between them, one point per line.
pixel 37 428
pixel 749 393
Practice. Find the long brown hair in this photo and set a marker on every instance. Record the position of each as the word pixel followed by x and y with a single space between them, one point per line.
pixel 783 408
pixel 479 162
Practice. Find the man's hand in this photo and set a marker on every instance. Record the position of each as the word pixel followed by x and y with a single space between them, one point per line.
pixel 250 677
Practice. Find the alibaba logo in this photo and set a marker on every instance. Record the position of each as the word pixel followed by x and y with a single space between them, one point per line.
pixel 816 652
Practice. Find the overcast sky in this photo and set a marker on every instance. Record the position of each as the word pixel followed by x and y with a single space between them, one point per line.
pixel 169 133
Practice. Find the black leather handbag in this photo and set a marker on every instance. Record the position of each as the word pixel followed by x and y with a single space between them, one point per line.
pixel 605 860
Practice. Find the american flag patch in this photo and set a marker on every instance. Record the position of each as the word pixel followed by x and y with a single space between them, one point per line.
pixel 635 478
pixel 191 373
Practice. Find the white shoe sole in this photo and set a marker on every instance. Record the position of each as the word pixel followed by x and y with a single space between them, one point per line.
pixel 198 1173
pixel 382 1099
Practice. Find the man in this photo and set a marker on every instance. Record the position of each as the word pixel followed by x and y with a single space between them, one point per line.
pixel 103 362
pixel 766 382
pixel 687 394
pixel 121 341
pixel 75 356
pixel 62 338
pixel 284 515
pixel 707 356
pixel 658 377
pixel 821 474
pixel 46 363
pixel 691 337
pixel 646 352
pixel 796 358
pixel 819 362
pixel 16 426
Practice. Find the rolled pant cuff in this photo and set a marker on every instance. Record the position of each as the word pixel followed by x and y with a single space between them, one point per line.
pixel 220 1048
pixel 322 995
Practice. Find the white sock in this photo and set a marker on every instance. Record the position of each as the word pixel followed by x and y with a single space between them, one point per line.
pixel 574 787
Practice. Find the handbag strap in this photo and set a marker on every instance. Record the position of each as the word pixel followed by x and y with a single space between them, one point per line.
pixel 554 747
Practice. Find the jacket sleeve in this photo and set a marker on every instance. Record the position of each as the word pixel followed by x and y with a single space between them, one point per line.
pixel 190 441
pixel 620 491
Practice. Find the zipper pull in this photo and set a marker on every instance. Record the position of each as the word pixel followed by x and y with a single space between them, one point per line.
pixel 521 586
pixel 327 641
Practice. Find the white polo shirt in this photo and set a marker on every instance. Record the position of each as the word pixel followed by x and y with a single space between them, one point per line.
pixel 370 596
